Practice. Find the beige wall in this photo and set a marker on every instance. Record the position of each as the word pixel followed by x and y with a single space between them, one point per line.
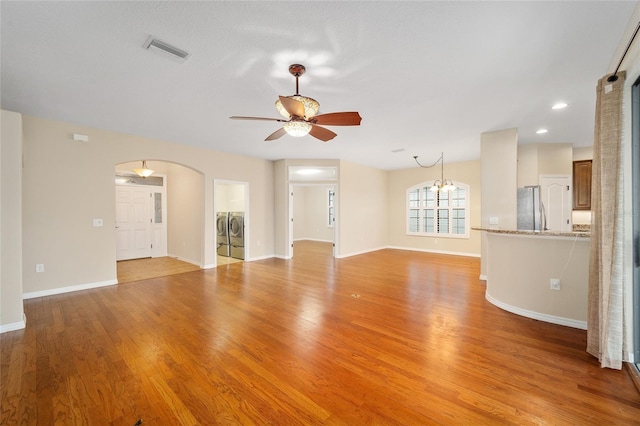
pixel 299 212
pixel 528 165
pixel 281 201
pixel 499 163
pixel 467 172
pixel 229 197
pixel 499 169
pixel 555 159
pixel 362 209
pixel 185 214
pixel 543 159
pixel 583 153
pixel 67 183
pixel 519 272
pixel 11 307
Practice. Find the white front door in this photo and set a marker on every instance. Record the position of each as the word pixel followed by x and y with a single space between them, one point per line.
pixel 133 222
pixel 556 196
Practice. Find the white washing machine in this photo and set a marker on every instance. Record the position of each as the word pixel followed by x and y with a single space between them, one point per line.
pixel 236 234
pixel 222 234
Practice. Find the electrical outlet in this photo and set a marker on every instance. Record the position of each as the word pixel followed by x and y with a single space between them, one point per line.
pixel 40 267
pixel 554 284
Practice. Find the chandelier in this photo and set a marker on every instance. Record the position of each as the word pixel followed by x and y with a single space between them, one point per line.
pixel 441 184
pixel 143 171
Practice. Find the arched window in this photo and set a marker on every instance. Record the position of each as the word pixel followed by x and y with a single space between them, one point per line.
pixel 441 213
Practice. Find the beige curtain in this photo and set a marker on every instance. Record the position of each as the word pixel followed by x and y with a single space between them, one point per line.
pixel 605 311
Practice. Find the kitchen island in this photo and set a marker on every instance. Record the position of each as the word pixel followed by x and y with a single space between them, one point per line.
pixel 521 264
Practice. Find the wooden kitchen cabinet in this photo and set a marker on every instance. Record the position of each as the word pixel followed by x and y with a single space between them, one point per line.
pixel 582 185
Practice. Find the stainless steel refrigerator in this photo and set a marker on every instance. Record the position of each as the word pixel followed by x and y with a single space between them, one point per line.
pixel 531 215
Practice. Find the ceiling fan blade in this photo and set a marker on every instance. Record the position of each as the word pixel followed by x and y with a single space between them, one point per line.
pixel 276 135
pixel 236 117
pixel 337 119
pixel 321 133
pixel 293 107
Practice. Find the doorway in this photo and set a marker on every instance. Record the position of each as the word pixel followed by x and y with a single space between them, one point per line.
pixel 312 214
pixel 556 197
pixel 230 205
pixel 141 228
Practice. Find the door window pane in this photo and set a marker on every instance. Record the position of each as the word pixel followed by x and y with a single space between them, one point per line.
pixel 157 207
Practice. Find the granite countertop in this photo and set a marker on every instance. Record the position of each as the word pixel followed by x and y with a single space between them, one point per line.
pixel 582 234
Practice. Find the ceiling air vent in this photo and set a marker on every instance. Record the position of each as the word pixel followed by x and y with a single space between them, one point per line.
pixel 166 49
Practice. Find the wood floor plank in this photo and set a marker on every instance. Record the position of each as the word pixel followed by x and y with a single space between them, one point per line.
pixel 389 337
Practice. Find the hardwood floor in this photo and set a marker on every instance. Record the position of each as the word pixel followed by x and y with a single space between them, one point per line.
pixel 151 267
pixel 390 337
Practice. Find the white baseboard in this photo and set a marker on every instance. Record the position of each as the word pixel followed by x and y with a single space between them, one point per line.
pixel 14 325
pixel 452 253
pixel 356 253
pixel 312 239
pixel 537 315
pixel 253 259
pixel 69 289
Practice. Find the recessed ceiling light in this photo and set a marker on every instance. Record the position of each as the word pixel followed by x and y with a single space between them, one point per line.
pixel 541 131
pixel 559 105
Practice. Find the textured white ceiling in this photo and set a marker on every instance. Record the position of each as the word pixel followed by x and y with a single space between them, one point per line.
pixel 426 77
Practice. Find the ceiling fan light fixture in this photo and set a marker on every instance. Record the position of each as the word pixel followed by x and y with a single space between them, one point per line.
pixel 311 106
pixel 297 128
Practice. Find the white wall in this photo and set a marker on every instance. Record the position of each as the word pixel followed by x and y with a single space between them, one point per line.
pixel 11 306
pixel 400 180
pixel 67 183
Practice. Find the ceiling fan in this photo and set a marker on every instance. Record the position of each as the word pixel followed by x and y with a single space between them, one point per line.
pixel 300 117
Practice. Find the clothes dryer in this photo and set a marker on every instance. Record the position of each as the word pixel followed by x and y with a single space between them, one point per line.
pixel 222 234
pixel 236 234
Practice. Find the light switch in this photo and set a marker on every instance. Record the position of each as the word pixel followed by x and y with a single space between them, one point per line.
pixel 97 222
pixel 493 220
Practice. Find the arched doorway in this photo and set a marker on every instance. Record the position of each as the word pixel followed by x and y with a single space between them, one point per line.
pixel 159 217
